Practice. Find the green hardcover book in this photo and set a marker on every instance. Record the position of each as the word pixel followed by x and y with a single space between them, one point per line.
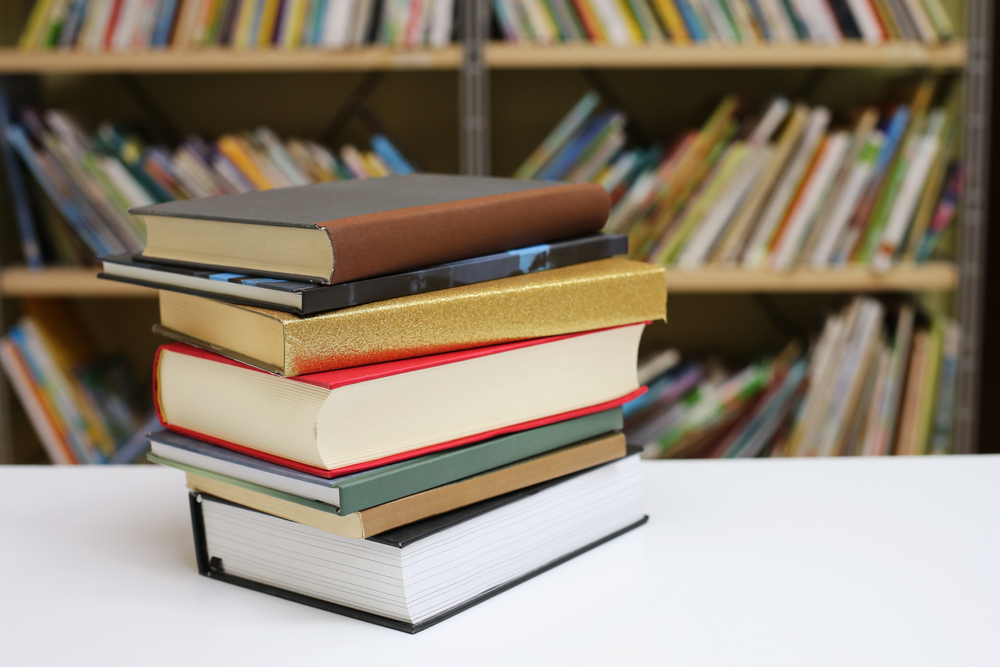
pixel 354 493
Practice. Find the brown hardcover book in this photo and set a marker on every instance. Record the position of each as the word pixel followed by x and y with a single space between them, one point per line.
pixel 439 500
pixel 349 230
pixel 593 295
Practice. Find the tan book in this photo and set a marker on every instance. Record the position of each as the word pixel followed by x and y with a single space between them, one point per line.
pixel 909 420
pixel 381 518
pixel 593 295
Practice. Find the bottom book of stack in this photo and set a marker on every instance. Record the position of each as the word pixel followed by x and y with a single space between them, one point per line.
pixel 417 575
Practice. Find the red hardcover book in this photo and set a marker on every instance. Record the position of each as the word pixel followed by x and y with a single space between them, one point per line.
pixel 116 10
pixel 348 420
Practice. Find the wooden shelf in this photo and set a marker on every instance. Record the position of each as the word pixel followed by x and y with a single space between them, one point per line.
pixel 209 61
pixel 851 55
pixel 19 281
pixel 929 277
pixel 499 55
pixel 68 282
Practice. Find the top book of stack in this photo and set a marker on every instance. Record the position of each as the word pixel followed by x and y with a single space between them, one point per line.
pixel 344 231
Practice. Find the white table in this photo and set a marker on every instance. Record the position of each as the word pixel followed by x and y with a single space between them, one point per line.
pixel 840 562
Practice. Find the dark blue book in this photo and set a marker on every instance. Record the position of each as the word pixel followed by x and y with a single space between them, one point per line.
pixel 18 192
pixel 309 298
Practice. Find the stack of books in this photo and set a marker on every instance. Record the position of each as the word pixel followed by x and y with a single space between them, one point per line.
pixel 631 22
pixel 394 398
pixel 789 186
pixel 93 178
pixel 877 381
pixel 85 407
pixel 134 25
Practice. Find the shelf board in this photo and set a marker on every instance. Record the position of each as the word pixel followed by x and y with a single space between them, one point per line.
pixel 65 282
pixel 929 277
pixel 500 55
pixel 19 281
pixel 207 61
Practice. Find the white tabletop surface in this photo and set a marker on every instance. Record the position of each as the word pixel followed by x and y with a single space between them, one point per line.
pixel 842 562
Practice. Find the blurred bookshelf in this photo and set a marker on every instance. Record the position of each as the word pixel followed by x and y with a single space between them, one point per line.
pixel 199 88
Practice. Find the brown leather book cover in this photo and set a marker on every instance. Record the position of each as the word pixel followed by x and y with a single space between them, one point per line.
pixel 398 223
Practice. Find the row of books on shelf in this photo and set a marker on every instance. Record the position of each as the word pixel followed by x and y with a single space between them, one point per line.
pixel 632 22
pixel 92 179
pixel 85 408
pixel 858 391
pixel 135 25
pixel 790 185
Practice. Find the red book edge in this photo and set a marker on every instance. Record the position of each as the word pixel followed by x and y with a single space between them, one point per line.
pixel 116 9
pixel 395 458
pixel 347 376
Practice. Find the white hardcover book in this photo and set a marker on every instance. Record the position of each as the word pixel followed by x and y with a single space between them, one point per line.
pixel 811 14
pixel 788 185
pixel 868 24
pixel 609 14
pixel 769 123
pixel 847 201
pixel 361 21
pixel 441 23
pixel 334 33
pixel 805 210
pixel 830 26
pixel 905 205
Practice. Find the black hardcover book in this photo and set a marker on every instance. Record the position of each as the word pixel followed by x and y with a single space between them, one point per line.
pixel 845 18
pixel 309 298
pixel 467 556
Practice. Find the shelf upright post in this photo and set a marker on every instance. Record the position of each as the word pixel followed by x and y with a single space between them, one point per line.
pixel 972 240
pixel 474 90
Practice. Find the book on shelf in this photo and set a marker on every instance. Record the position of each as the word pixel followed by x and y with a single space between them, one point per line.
pixel 82 405
pixel 874 382
pixel 141 25
pixel 788 186
pixel 93 179
pixel 593 295
pixel 301 298
pixel 345 231
pixel 730 22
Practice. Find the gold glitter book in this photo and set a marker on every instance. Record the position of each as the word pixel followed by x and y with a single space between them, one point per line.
pixel 593 295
